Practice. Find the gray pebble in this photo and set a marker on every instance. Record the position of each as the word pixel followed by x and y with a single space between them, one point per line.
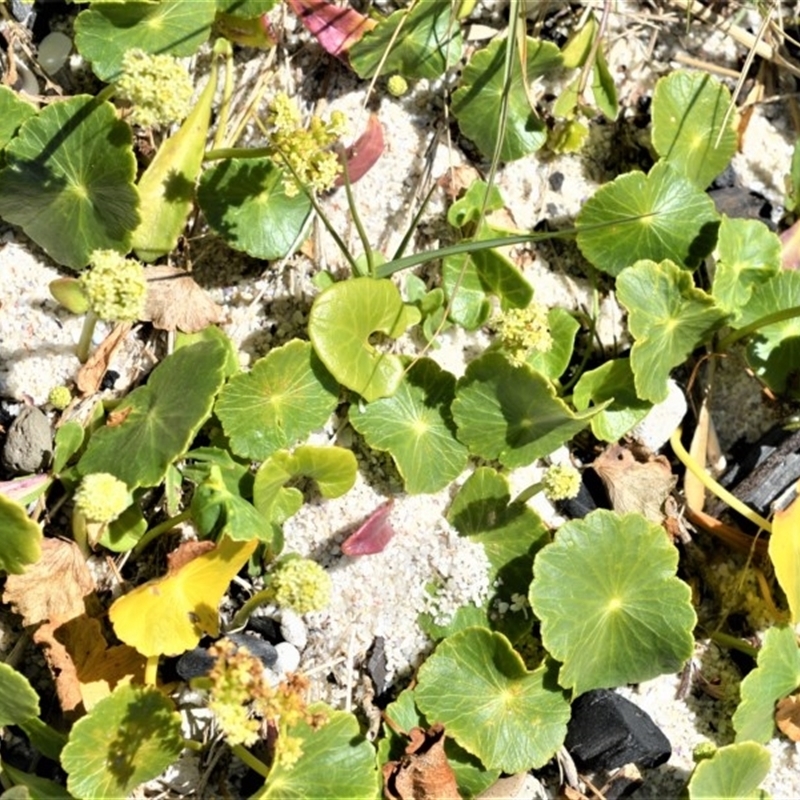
pixel 293 629
pixel 288 658
pixel 29 442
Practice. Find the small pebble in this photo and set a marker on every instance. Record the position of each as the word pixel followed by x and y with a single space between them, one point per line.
pixel 288 658
pixel 54 51
pixel 29 443
pixel 293 628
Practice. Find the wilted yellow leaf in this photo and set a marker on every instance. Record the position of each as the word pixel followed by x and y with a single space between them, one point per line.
pixel 784 550
pixel 169 615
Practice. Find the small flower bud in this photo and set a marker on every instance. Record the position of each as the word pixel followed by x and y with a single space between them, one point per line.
pixel 60 397
pixel 301 584
pixel 102 497
pixel 115 286
pixel 397 85
pixel 561 482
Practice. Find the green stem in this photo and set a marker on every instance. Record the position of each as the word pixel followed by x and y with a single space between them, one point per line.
pixel 733 643
pixel 248 758
pixel 221 153
pixel 191 744
pixel 106 93
pixel 721 492
pixel 151 671
pixel 259 598
pixel 362 234
pixel 87 331
pixel 225 108
pixel 526 494
pixel 762 322
pixel 79 532
pixel 157 530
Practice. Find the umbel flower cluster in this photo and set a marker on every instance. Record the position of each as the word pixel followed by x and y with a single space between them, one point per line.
pixel 115 286
pixel 306 150
pixel 524 330
pixel 301 584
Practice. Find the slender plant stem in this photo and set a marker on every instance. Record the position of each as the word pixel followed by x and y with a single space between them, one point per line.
pixel 80 533
pixel 248 758
pixel 526 494
pixel 733 643
pixel 157 530
pixel 723 494
pixel 225 109
pixel 87 331
pixel 151 671
pixel 264 596
pixel 762 322
pixel 221 153
pixel 362 233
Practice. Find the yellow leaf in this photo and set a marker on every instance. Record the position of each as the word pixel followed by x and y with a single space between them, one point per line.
pixel 169 615
pixel 784 550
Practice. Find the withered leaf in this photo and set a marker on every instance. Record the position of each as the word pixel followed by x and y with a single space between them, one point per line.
pixel 176 302
pixel 635 480
pixel 787 717
pixel 90 375
pixel 423 773
pixel 55 587
pixel 186 552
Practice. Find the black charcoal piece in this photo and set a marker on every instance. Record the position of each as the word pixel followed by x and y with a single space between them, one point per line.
pixel 194 663
pixel 258 647
pixel 607 731
pixel 266 627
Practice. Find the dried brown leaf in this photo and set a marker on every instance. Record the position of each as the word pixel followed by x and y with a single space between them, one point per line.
pixel 176 302
pixel 55 587
pixel 423 773
pixel 787 717
pixel 186 552
pixel 90 375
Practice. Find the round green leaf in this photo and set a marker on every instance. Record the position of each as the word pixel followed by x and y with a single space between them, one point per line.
pixel 552 363
pixel 343 318
pixel 748 254
pixel 511 413
pixel 776 676
pixel 429 43
pixel 774 350
pixel 614 382
pixel 689 111
pixel 732 773
pixel 285 396
pixel 477 103
pixel 668 318
pixel 159 420
pixel 245 202
pixel 611 607
pixel 13 112
pixel 68 180
pixel 336 761
pixel 416 427
pixel 21 540
pixel 657 216
pixel 105 31
pixel 479 688
pixel 18 700
pixel 128 738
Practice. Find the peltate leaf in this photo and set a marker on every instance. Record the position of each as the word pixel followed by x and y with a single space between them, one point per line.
pixel 479 688
pixel 733 772
pixel 552 363
pixel 692 125
pixel 285 396
pixel 776 676
pixel 611 580
pixel 21 540
pixel 511 412
pixel 343 318
pixel 128 738
pixel 657 216
pixel 68 180
pixel 245 202
pixel 668 318
pixel 13 112
pixel 157 422
pixel 477 103
pixel 415 425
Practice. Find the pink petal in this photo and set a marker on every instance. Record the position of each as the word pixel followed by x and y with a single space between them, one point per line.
pixel 361 156
pixel 335 28
pixel 373 535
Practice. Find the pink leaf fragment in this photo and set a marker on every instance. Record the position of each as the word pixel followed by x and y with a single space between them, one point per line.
pixel 335 28
pixel 790 247
pixel 373 535
pixel 361 156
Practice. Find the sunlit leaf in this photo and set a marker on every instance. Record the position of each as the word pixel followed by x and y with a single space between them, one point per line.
pixel 14 110
pixel 18 699
pixel 21 540
pixel 784 552
pixel 552 362
pixel 734 772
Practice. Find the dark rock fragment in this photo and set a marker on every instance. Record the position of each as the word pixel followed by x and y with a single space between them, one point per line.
pixel 197 662
pixel 29 442
pixel 607 731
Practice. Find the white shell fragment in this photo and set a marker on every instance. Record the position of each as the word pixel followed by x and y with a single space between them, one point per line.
pixel 662 419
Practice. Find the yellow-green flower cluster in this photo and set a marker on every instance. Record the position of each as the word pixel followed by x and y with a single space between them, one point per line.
pixel 523 330
pixel 102 497
pixel 301 584
pixel 397 85
pixel 60 397
pixel 306 150
pixel 561 482
pixel 115 286
pixel 157 86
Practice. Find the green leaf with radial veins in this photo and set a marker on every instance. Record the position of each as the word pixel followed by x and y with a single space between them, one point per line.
pixel 668 317
pixel 429 42
pixel 415 425
pixel 68 181
pixel 657 216
pixel 342 320
pixel 612 608
pixel 286 395
pixel 106 30
pixel 511 413
pixel 692 127
pixel 477 103
pixel 13 112
pixel 128 738
pixel 748 254
pixel 552 363
pixel 158 421
pixel 776 676
pixel 773 351
pixel 494 707
pixel 245 202
pixel 734 772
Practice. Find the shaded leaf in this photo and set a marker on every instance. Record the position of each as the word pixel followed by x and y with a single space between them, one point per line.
pixel 18 699
pixel 176 302
pixel 553 362
pixel 21 542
